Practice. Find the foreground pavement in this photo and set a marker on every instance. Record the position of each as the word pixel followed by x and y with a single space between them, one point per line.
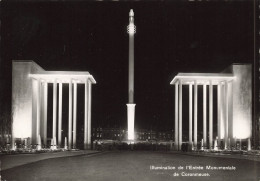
pixel 10 161
pixel 136 165
pixel 222 155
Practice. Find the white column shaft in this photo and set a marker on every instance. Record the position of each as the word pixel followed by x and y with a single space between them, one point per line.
pixel 38 109
pixel 219 113
pixel 45 110
pixel 205 115
pixel 190 114
pixel 210 115
pixel 89 115
pixel 195 113
pixel 54 110
pixel 180 115
pixel 74 115
pixel 60 115
pixel 226 114
pixel 70 115
pixel 42 111
pixel 86 115
pixel 176 144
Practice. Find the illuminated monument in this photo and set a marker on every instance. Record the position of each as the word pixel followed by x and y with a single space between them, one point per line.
pixel 234 106
pixel 131 29
pixel 29 103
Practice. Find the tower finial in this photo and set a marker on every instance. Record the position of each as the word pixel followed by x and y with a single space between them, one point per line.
pixel 131 13
pixel 131 29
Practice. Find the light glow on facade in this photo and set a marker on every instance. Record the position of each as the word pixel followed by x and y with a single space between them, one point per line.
pixel 131 120
pixel 241 128
pixel 222 127
pixel 21 125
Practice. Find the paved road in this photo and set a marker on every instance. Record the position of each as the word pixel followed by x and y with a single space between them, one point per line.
pixel 10 161
pixel 127 165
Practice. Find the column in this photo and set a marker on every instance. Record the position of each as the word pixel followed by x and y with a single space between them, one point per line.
pixel 45 110
pixel 180 115
pixel 86 115
pixel 176 144
pixel 74 115
pixel 219 113
pixel 210 115
pixel 60 115
pixel 38 109
pixel 204 115
pixel 70 115
pixel 230 115
pixel 195 113
pixel 226 114
pixel 190 115
pixel 89 115
pixel 54 109
pixel 42 110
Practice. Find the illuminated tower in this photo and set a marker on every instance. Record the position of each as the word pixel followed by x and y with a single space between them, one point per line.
pixel 131 106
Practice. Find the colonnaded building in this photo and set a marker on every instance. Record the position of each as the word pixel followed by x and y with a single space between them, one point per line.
pixel 234 107
pixel 29 104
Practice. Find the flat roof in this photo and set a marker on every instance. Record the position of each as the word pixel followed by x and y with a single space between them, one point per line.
pixel 63 76
pixel 59 76
pixel 202 78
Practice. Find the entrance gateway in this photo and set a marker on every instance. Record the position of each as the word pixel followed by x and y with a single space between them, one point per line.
pixel 234 106
pixel 30 95
pixel 29 103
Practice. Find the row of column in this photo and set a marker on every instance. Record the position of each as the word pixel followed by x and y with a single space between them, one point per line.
pixel 222 114
pixel 41 118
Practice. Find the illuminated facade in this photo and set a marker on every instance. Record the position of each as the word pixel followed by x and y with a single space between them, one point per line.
pixel 29 103
pixel 234 106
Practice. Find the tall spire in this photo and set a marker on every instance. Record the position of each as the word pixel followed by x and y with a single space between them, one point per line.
pixel 131 29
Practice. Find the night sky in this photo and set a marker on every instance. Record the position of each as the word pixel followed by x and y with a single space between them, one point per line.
pixel 91 36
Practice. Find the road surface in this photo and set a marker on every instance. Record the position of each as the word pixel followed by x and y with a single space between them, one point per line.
pixel 136 165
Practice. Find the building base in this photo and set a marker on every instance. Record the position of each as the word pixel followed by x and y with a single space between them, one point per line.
pixel 131 120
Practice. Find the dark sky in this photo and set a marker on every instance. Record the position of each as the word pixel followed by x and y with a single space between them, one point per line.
pixel 171 38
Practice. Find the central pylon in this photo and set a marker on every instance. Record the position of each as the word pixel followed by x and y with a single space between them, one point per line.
pixel 131 29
